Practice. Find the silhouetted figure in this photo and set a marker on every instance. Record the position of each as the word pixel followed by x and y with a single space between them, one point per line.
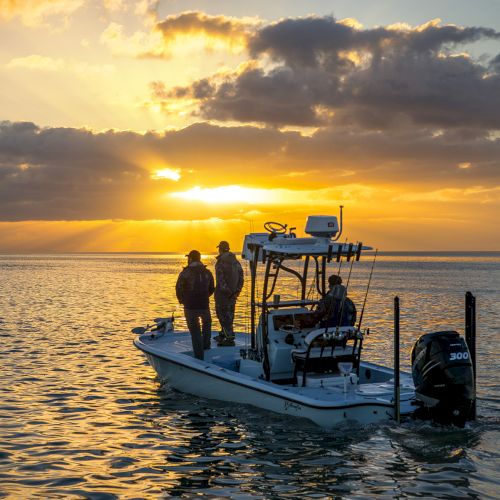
pixel 335 308
pixel 229 282
pixel 194 287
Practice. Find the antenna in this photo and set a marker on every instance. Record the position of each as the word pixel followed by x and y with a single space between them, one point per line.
pixel 341 225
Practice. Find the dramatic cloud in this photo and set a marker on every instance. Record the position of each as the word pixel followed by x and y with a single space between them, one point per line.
pixel 324 42
pixel 193 22
pixel 64 174
pixel 75 174
pixel 317 71
pixel 229 32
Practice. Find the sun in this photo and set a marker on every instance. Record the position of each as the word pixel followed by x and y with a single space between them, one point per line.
pixel 173 174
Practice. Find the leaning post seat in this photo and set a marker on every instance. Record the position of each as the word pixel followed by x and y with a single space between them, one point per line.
pixel 325 348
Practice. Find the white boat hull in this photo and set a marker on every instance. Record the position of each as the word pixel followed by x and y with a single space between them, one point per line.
pixel 171 359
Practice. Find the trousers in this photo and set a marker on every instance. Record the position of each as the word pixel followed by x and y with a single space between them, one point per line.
pixel 201 334
pixel 225 315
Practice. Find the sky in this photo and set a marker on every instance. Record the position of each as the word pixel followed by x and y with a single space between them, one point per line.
pixel 170 125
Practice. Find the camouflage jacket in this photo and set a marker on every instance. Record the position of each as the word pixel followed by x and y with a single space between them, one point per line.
pixel 229 277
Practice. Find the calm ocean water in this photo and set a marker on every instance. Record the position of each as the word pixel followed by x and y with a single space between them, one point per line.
pixel 82 415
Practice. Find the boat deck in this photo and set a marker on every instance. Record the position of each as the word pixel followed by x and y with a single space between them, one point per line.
pixel 225 363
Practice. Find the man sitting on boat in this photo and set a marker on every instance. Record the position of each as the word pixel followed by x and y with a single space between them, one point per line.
pixel 335 308
pixel 194 287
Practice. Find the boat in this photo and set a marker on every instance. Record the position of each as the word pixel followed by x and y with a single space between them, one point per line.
pixel 291 363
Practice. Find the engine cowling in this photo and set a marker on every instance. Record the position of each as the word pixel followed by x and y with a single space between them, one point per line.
pixel 443 377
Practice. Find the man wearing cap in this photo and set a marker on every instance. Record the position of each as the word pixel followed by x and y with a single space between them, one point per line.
pixel 194 287
pixel 229 282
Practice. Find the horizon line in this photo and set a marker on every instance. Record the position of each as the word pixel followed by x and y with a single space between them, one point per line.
pixel 97 252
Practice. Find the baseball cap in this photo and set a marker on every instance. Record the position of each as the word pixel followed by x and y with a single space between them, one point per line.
pixel 223 245
pixel 194 255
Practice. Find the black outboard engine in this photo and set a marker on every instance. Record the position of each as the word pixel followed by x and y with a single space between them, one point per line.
pixel 443 376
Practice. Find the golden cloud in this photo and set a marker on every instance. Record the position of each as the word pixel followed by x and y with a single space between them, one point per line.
pixel 188 31
pixel 480 194
pixel 233 30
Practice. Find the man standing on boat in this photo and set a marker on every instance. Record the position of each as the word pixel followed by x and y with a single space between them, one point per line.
pixel 194 287
pixel 229 282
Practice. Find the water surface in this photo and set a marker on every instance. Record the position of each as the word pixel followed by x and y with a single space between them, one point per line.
pixel 82 415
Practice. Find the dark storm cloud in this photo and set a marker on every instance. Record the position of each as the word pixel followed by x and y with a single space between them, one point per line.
pixel 376 78
pixel 495 64
pixel 319 41
pixel 302 43
pixel 74 174
pixel 279 97
pixel 409 156
pixel 63 173
pixel 431 91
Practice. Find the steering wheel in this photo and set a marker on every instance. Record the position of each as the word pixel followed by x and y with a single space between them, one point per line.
pixel 289 329
pixel 275 227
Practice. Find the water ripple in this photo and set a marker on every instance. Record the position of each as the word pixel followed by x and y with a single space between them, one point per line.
pixel 82 415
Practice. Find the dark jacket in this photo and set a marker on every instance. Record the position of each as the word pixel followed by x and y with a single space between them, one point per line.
pixel 330 308
pixel 194 286
pixel 229 277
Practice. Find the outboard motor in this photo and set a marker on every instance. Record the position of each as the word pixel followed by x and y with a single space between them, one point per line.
pixel 443 376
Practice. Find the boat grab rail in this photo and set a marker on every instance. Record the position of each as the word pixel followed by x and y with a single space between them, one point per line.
pixel 332 333
pixel 286 303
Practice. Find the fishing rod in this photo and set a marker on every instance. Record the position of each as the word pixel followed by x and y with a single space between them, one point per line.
pixel 341 312
pixel 367 288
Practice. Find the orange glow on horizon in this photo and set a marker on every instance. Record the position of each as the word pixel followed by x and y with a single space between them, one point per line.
pixel 224 194
pixel 180 236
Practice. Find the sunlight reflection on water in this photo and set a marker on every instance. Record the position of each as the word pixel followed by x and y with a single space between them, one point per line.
pixel 81 414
